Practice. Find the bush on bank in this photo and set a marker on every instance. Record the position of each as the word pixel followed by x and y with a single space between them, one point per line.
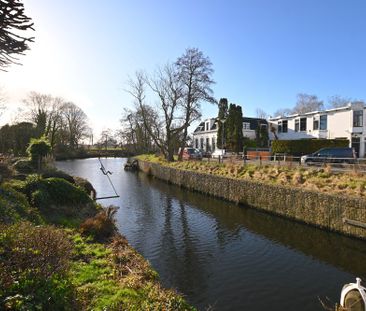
pixel 305 146
pixel 14 207
pixel 56 199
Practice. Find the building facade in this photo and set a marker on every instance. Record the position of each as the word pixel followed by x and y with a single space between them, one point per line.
pixel 205 135
pixel 346 122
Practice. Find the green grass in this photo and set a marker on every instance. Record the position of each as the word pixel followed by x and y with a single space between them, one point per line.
pixel 103 284
pixel 96 276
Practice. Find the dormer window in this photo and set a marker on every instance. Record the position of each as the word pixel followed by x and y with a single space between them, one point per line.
pixel 207 126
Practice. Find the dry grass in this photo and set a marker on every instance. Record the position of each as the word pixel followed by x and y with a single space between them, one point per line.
pixel 316 179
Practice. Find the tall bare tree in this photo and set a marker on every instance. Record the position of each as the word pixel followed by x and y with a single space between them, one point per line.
pixel 194 72
pixel 45 111
pixel 161 122
pixel 168 88
pixel 180 88
pixel 306 103
pixel 38 110
pixel 337 101
pixel 75 124
pixel 261 113
pixel 13 21
pixel 282 112
pixel 135 133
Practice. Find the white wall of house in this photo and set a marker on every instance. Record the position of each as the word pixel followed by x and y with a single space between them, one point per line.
pixel 339 124
pixel 206 141
pixel 200 136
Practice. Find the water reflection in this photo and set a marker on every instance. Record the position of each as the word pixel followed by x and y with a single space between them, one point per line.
pixel 219 254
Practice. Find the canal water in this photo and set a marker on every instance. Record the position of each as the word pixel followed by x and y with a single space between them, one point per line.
pixel 221 255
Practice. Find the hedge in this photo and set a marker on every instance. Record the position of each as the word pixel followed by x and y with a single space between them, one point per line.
pixel 305 146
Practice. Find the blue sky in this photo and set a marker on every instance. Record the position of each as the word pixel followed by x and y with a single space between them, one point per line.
pixel 263 52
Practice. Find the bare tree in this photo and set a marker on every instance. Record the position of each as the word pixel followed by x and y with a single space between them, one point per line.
pixel 194 72
pixel 107 139
pixel 283 112
pixel 44 111
pixel 75 123
pixel 167 86
pixel 260 113
pixel 38 109
pixel 12 22
pixel 163 122
pixel 144 117
pixel 307 103
pixel 135 133
pixel 337 101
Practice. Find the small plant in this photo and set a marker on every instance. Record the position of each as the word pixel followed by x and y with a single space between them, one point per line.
pixel 34 262
pixel 101 226
pixel 38 149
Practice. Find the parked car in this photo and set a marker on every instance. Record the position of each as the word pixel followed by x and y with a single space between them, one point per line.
pixel 191 154
pixel 219 153
pixel 205 154
pixel 331 155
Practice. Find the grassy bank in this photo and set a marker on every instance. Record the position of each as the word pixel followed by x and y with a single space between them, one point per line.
pixel 318 179
pixel 59 250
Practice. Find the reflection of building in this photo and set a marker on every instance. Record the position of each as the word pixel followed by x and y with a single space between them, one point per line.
pixel 205 135
pixel 345 122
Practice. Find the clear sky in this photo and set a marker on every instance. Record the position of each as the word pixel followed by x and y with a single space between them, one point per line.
pixel 263 52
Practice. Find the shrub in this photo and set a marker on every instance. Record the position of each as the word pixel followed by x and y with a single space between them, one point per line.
pixel 86 186
pixel 101 226
pixel 5 171
pixel 24 166
pixel 53 172
pixel 57 200
pixel 34 263
pixel 38 149
pixel 305 146
pixel 14 206
pixel 78 181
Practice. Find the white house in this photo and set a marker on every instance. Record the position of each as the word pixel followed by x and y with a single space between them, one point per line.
pixel 346 122
pixel 205 135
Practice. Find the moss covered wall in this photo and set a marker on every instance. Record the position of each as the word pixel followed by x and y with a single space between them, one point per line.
pixel 320 209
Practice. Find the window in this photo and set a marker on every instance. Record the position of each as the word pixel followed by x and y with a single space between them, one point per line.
pixel 297 125
pixel 303 124
pixel 284 126
pixel 207 126
pixel 315 124
pixel 246 126
pixel 279 126
pixel 201 143
pixel 213 143
pixel 208 144
pixel 358 118
pixel 323 122
pixel 196 143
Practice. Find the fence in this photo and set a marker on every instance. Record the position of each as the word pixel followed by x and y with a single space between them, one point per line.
pixel 262 157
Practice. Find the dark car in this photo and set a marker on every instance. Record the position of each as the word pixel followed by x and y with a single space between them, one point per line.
pixel 331 155
pixel 191 154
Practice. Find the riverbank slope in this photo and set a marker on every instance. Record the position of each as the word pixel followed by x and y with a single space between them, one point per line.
pixel 287 193
pixel 59 250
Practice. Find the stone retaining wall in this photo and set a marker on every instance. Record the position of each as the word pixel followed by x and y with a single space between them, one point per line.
pixel 320 209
